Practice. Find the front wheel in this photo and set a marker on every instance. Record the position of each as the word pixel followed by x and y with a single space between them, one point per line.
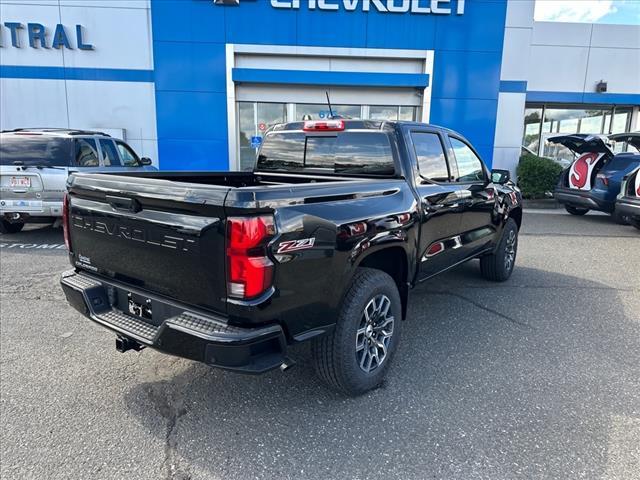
pixel 8 227
pixel 355 357
pixel 498 266
pixel 575 210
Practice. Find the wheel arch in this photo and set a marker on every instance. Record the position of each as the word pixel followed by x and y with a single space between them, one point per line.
pixel 516 214
pixel 394 261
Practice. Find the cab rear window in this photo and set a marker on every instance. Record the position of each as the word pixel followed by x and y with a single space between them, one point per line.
pixel 347 153
pixel 35 150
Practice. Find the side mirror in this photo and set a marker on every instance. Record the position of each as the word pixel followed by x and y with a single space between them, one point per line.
pixel 145 161
pixel 500 176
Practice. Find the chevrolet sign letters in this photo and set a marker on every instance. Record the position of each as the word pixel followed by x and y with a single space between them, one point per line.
pixel 438 7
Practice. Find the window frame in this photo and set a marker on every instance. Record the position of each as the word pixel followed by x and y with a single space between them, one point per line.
pixel 445 150
pixel 76 141
pixel 485 171
pixel 102 156
pixel 130 150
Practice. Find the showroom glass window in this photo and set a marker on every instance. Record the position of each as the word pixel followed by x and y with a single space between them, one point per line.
pixel 544 121
pixel 254 119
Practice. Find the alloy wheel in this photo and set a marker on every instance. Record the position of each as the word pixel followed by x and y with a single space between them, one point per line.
pixel 374 333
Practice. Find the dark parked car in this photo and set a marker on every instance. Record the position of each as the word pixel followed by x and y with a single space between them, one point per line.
pixel 628 202
pixel 321 242
pixel 593 180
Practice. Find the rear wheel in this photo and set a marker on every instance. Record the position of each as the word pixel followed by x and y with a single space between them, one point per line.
pixel 355 357
pixel 575 210
pixel 498 266
pixel 635 222
pixel 8 227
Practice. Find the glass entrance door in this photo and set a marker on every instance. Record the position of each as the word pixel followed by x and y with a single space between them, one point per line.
pixel 255 118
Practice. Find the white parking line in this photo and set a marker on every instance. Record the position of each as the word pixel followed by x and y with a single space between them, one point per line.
pixel 35 246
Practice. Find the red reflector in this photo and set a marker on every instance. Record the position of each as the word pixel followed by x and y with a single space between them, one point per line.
pixel 65 221
pixel 435 249
pixel 250 271
pixel 323 125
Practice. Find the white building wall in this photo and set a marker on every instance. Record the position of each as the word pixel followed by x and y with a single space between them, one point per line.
pixel 560 57
pixel 516 67
pixel 575 57
pixel 121 35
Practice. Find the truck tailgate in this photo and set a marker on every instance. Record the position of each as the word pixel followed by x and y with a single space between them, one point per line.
pixel 162 236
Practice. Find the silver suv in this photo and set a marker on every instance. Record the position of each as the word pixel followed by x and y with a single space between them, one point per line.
pixel 35 164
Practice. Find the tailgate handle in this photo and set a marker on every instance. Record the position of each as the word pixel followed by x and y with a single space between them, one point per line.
pixel 123 203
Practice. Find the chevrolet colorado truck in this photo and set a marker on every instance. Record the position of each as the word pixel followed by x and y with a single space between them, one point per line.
pixel 321 242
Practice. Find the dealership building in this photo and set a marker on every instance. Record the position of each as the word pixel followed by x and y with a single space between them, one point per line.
pixel 194 84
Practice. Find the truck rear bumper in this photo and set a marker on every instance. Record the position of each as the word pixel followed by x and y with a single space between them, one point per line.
pixel 205 338
pixel 30 208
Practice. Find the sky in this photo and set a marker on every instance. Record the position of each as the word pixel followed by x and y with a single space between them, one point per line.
pixel 625 12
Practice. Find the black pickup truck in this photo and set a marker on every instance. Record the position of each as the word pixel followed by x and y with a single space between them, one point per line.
pixel 321 242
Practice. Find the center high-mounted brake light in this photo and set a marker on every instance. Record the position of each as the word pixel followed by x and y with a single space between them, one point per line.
pixel 323 125
pixel 249 270
pixel 65 221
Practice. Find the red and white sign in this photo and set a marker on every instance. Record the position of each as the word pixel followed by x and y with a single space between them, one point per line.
pixel 262 127
pixel 581 170
pixel 638 184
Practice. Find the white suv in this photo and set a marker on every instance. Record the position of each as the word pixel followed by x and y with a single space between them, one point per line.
pixel 35 164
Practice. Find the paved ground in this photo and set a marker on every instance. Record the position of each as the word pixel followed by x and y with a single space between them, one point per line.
pixel 535 378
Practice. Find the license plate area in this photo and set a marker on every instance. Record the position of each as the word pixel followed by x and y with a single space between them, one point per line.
pixel 139 306
pixel 20 182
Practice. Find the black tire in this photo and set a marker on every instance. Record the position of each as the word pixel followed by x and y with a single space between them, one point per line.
pixel 8 227
pixel 620 218
pixel 498 266
pixel 575 210
pixel 336 355
pixel 635 222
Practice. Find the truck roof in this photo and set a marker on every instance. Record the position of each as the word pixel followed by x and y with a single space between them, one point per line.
pixel 54 132
pixel 358 124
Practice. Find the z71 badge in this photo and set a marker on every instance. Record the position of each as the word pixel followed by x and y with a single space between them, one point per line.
pixel 294 245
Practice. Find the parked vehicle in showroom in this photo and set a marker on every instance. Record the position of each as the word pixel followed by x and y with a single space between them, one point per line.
pixel 321 242
pixel 628 202
pixel 35 164
pixel 593 180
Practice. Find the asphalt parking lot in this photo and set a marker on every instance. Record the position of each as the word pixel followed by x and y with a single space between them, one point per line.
pixel 535 378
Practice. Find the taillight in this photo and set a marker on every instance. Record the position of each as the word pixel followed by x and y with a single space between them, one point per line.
pixel 249 270
pixel 323 125
pixel 65 221
pixel 604 178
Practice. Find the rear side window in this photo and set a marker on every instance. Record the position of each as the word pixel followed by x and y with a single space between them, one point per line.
pixel 35 150
pixel 469 165
pixel 86 153
pixel 282 151
pixel 432 162
pixel 109 153
pixel 128 156
pixel 348 153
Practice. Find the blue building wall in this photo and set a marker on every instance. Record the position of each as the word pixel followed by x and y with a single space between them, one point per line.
pixel 189 38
